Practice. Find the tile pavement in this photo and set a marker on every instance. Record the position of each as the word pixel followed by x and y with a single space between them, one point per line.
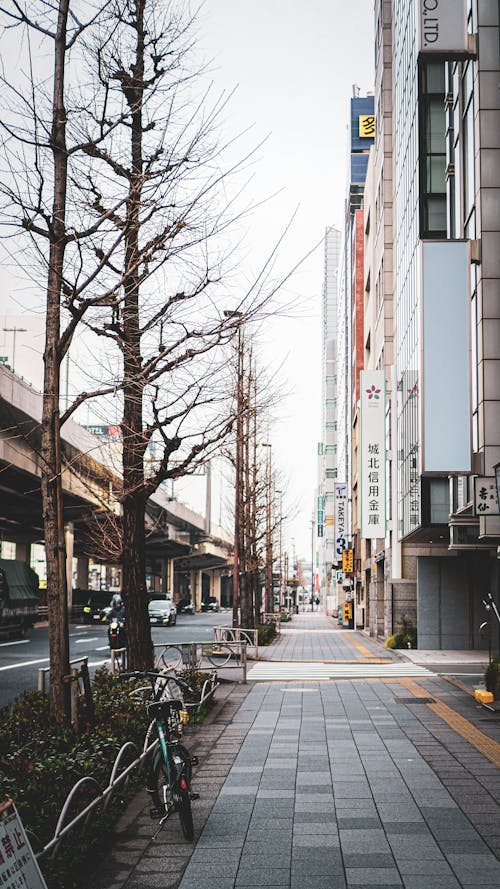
pixel 323 785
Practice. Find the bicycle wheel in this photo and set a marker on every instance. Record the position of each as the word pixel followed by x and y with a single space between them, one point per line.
pixel 184 809
pixel 158 785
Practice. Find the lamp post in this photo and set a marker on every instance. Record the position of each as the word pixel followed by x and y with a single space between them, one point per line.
pixel 238 467
pixel 280 494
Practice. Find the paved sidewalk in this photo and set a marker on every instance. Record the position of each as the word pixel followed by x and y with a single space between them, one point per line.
pixel 329 785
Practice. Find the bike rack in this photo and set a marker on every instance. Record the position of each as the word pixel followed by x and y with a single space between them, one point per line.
pixel 219 655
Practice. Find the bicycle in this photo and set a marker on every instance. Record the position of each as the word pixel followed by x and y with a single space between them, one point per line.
pixel 169 775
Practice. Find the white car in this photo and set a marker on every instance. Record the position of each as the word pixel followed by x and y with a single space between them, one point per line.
pixel 162 612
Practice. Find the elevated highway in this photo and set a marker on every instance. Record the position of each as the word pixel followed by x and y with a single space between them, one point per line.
pixel 90 479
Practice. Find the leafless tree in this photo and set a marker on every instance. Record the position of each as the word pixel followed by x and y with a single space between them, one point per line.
pixel 118 179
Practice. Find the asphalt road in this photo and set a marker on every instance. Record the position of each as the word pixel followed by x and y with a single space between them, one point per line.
pixel 20 659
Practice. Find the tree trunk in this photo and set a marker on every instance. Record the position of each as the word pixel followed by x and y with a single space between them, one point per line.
pixel 51 482
pixel 140 647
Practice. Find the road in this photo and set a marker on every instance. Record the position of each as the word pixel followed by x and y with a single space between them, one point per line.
pixel 21 659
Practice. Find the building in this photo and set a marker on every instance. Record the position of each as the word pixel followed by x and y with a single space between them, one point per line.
pixel 432 319
pixel 350 325
pixel 327 458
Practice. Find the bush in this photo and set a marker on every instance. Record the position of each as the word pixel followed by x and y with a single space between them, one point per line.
pixel 40 761
pixel 492 677
pixel 266 632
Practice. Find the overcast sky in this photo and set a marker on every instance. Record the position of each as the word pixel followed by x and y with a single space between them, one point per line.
pixel 294 65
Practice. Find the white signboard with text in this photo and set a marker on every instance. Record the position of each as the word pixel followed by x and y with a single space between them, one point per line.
pixel 372 397
pixel 485 496
pixel 340 518
pixel 443 27
pixel 18 865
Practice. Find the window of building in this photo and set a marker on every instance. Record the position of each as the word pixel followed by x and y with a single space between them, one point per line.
pixel 433 125
pixel 331 473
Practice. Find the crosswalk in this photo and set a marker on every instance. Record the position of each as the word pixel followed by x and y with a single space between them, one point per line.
pixel 269 671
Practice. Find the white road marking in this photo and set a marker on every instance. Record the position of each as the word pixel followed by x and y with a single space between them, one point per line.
pixel 42 660
pixel 279 670
pixel 90 639
pixel 102 648
pixel 18 642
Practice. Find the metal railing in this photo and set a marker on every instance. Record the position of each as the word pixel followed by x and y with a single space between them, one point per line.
pixel 219 654
pixel 272 618
pixel 89 783
pixel 224 635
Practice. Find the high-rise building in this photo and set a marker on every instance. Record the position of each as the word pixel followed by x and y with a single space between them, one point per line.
pixel 327 462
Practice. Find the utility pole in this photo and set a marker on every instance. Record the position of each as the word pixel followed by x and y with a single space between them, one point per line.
pixel 269 543
pixel 14 331
pixel 238 467
pixel 312 563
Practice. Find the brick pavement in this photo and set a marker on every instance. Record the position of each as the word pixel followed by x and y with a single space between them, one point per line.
pixel 329 784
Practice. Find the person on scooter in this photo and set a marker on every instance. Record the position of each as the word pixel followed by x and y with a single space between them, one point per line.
pixel 117 608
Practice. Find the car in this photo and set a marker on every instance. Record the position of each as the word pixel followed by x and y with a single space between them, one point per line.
pixel 96 607
pixel 210 604
pixel 185 606
pixel 162 612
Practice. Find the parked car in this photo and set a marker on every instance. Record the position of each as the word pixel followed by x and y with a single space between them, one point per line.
pixel 162 612
pixel 210 604
pixel 97 607
pixel 185 606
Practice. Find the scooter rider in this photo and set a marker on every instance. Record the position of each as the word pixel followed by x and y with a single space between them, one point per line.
pixel 117 608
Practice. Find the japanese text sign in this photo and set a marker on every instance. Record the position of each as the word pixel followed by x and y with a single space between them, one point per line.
pixel 340 517
pixel 372 386
pixel 18 865
pixel 485 496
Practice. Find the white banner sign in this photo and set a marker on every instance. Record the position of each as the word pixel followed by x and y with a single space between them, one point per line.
pixel 340 518
pixel 18 865
pixel 485 496
pixel 372 396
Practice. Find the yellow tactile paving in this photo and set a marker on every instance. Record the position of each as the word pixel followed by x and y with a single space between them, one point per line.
pixel 487 746
pixel 359 645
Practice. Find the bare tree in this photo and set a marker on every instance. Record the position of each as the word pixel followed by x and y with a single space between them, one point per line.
pixel 124 197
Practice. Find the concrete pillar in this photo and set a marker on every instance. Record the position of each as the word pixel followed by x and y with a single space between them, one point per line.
pixel 69 537
pixel 23 551
pixel 215 584
pixel 195 585
pixel 82 572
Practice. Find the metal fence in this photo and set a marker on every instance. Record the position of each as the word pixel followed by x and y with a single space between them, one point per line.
pixel 219 654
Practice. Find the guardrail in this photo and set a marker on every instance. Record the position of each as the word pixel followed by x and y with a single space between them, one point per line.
pixel 223 635
pixel 272 618
pixel 100 795
pixel 223 655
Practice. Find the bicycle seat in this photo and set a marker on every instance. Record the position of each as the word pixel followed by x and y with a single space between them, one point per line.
pixel 164 708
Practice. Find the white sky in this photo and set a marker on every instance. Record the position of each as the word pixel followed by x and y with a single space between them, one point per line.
pixel 294 65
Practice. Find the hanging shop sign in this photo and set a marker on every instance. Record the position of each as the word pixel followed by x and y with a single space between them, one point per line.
pixel 443 28
pixel 340 517
pixel 486 496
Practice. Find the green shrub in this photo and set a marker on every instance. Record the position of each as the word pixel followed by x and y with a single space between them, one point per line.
pixel 40 761
pixel 266 632
pixel 492 677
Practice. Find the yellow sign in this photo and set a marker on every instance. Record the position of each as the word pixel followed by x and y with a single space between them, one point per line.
pixel 348 561
pixel 367 126
pixel 328 520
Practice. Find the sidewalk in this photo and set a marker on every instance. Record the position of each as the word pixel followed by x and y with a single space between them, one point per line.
pixel 316 785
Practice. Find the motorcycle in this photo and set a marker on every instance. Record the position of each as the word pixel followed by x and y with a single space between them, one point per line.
pixel 116 633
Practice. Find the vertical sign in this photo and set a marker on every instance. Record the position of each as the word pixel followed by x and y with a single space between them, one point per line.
pixel 340 518
pixel 372 396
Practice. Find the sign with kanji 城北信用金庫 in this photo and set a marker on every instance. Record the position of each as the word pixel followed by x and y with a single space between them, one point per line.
pixel 372 396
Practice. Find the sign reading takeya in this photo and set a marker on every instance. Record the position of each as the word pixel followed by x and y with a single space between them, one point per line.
pixel 372 396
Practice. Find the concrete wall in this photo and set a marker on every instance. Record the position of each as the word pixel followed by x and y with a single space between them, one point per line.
pixel 449 601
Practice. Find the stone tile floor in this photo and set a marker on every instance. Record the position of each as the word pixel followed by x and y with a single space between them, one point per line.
pixel 316 785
